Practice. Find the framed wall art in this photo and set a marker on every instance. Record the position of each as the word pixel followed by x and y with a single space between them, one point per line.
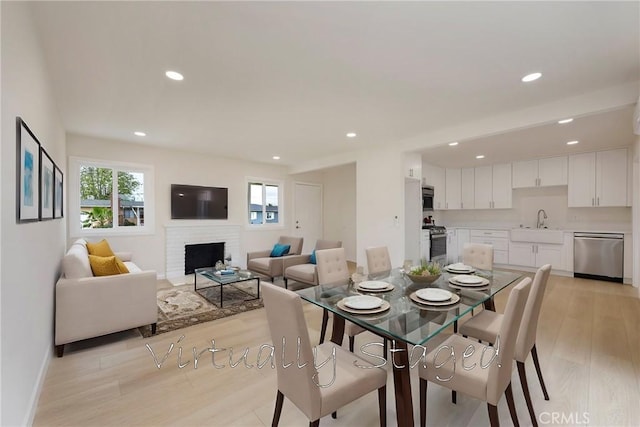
pixel 27 174
pixel 46 185
pixel 58 194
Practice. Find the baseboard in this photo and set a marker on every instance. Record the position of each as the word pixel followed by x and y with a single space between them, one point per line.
pixel 35 395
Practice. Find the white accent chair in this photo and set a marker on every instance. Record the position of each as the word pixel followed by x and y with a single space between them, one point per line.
pixel 306 387
pixel 486 326
pixel 262 263
pixel 300 268
pixel 378 261
pixel 488 383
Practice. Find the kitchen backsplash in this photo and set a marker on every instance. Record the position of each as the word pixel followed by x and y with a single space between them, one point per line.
pixel 527 202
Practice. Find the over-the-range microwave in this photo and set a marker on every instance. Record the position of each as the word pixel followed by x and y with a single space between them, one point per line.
pixel 427 198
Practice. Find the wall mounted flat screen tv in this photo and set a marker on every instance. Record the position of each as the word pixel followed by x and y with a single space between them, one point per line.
pixel 195 202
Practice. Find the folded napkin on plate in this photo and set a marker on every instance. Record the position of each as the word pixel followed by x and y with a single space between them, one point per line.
pixel 459 266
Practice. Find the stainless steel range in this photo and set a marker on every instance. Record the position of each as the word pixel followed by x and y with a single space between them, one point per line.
pixel 434 243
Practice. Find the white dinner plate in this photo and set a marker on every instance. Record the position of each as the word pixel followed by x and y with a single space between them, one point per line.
pixel 374 285
pixel 362 302
pixel 433 294
pixel 467 280
pixel 459 268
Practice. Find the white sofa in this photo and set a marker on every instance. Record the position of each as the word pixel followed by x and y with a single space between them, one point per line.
pixel 88 306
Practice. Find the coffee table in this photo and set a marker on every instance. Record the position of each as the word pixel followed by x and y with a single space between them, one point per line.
pixel 214 278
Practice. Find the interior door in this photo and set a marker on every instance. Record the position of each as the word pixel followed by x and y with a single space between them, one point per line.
pixel 307 219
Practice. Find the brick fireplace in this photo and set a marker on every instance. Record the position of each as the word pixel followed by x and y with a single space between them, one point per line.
pixel 178 236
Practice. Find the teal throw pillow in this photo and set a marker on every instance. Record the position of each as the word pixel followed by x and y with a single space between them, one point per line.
pixel 280 250
pixel 313 257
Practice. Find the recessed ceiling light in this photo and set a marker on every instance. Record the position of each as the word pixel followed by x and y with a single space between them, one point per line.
pixel 453 144
pixel 531 77
pixel 572 142
pixel 138 133
pixel 276 157
pixel 174 75
pixel 351 135
pixel 565 121
pixel 481 156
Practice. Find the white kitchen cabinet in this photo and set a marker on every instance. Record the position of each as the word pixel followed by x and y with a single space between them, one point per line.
pixel 464 237
pixel 535 254
pixel 598 179
pixel 467 184
pixel 453 186
pixel 413 165
pixel 435 176
pixel 492 187
pixel 452 245
pixel 540 173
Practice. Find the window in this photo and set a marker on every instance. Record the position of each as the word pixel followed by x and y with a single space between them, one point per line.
pixel 110 198
pixel 265 199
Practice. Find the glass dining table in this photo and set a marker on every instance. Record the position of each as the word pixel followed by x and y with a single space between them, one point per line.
pixel 405 320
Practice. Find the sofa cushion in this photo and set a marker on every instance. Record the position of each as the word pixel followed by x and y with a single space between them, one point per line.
pixel 260 264
pixel 122 267
pixel 312 257
pixel 75 263
pixel 103 265
pixel 100 248
pixel 280 250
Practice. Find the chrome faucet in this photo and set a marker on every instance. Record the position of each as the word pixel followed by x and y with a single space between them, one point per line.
pixel 540 222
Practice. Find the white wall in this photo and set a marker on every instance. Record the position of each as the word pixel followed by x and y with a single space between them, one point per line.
pixel 30 253
pixel 380 203
pixel 182 167
pixel 527 201
pixel 340 207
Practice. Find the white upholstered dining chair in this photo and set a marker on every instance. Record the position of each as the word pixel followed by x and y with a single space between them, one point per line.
pixel 484 378
pixel 305 385
pixel 486 326
pixel 478 255
pixel 333 269
pixel 378 260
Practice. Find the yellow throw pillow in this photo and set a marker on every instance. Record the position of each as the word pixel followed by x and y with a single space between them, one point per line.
pixel 103 265
pixel 121 267
pixel 101 248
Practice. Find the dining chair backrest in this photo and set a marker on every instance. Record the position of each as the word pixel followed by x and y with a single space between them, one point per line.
pixel 529 326
pixel 378 260
pixel 287 325
pixel 478 255
pixel 500 369
pixel 332 266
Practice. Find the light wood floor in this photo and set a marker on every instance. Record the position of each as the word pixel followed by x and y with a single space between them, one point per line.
pixel 588 343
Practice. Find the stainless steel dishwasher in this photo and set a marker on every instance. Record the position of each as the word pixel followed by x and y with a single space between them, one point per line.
pixel 598 256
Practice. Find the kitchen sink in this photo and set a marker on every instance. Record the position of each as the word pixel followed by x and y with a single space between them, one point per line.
pixel 537 235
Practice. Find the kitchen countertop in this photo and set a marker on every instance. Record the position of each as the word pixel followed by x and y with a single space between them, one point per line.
pixel 566 230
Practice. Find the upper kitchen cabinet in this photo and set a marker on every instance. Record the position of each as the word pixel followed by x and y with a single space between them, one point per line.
pixel 467 188
pixel 598 179
pixel 492 187
pixel 435 176
pixel 453 186
pixel 413 165
pixel 540 173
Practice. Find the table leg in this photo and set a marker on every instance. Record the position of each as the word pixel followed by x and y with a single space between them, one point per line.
pixel 337 332
pixel 221 296
pixel 258 287
pixel 490 305
pixel 402 384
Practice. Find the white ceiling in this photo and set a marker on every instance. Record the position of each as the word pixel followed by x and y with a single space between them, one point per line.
pixel 291 78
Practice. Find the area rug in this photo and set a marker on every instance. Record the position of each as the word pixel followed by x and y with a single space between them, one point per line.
pixel 181 306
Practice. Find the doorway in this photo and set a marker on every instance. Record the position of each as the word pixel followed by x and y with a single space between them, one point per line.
pixel 307 211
